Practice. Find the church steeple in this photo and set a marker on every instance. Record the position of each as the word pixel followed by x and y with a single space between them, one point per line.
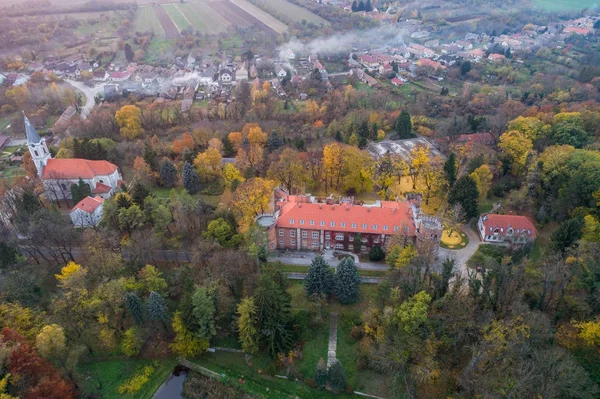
pixel 37 146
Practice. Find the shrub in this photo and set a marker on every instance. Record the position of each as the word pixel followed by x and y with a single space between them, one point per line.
pixel 335 377
pixel 135 383
pixel 356 332
pixel 376 254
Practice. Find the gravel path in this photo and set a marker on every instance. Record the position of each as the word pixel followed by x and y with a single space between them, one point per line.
pixel 331 350
pixel 461 256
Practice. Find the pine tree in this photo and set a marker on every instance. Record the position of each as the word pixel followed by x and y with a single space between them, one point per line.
pixel 320 376
pixel 274 141
pixel 135 307
pixel 157 309
pixel 450 169
pixel 465 193
pixel 335 377
pixel 368 6
pixel 363 129
pixel 128 52
pixel 139 193
pixel 75 193
pixel 150 157
pixel 361 5
pixel 338 136
pixel 354 6
pixel 374 130
pixel 190 178
pixel 347 281
pixel 319 278
pixel 168 173
pixel 404 126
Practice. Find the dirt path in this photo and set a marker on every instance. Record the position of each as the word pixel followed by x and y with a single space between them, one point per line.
pixel 331 350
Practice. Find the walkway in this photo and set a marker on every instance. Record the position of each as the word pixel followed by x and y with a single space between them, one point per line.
pixel 304 258
pixel 462 256
pixel 333 322
pixel 89 93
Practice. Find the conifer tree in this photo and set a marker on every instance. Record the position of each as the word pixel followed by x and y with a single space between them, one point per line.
pixel 157 309
pixel 404 126
pixel 465 193
pixel 139 193
pixel 347 282
pixel 450 169
pixel 335 377
pixel 168 173
pixel 191 180
pixel 319 278
pixel 135 308
pixel 320 376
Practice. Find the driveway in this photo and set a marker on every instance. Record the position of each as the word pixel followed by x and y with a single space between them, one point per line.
pixel 304 258
pixel 461 256
pixel 89 93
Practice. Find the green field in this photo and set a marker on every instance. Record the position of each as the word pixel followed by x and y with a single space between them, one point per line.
pixel 146 20
pixel 179 19
pixel 204 18
pixel 290 11
pixel 561 5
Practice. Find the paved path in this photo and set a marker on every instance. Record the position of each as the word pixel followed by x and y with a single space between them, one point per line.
pixel 461 256
pixel 90 94
pixel 304 258
pixel 331 350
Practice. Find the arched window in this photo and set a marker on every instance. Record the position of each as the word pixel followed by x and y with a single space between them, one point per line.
pixel 101 181
pixel 45 152
pixel 36 153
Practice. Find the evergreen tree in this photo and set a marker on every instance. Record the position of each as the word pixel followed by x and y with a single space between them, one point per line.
pixel 567 233
pixel 338 136
pixel 362 142
pixel 450 169
pixel 354 6
pixel 8 255
pixel 335 377
pixel 135 307
pixel 347 281
pixel 465 67
pixel 150 157
pixel 374 130
pixel 274 141
pixel 139 193
pixel 465 193
pixel 363 129
pixel 368 6
pixel 128 52
pixel 168 173
pixel 203 314
pixel 228 150
pixel 320 376
pixel 190 178
pixel 361 6
pixel 404 126
pixel 319 278
pixel 156 307
pixel 75 194
pixel 376 254
pixel 80 190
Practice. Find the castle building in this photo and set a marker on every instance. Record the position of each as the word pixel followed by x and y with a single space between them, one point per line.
pixel 58 175
pixel 301 223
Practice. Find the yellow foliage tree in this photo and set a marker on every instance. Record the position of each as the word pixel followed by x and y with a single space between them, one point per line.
pixel 407 254
pixel 517 147
pixel 231 174
pixel 50 342
pixel 589 331
pixel 208 164
pixel 288 170
pixel 186 344
pixel 129 119
pixel 67 271
pixel 419 158
pixel 251 199
pixel 483 179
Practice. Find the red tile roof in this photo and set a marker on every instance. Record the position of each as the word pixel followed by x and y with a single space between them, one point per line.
pixel 504 222
pixel 75 168
pixel 101 189
pixel 313 216
pixel 89 204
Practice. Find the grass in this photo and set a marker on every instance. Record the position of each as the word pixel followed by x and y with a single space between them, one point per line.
pixel 456 240
pixel 158 49
pixel 11 172
pixel 165 193
pixel 102 378
pixel 486 205
pixel 13 148
pixel 179 19
pixel 304 269
pixel 316 343
pixel 204 18
pixel 562 5
pixel 290 11
pixel 146 20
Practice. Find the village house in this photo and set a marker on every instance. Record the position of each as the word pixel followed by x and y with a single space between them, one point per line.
pixel 280 71
pixel 87 212
pixel 58 175
pixel 497 57
pixel 100 76
pixel 300 222
pixel 121 76
pixel 146 78
pixel 226 76
pixel 369 62
pixel 365 77
pixel 511 229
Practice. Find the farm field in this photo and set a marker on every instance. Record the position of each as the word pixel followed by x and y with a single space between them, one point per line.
pixel 169 27
pixel 292 11
pixel 179 19
pixel 267 19
pixel 203 18
pixel 146 20
pixel 561 5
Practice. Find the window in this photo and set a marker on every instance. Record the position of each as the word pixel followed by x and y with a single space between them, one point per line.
pixel 350 247
pixel 327 236
pixel 312 222
pixel 339 246
pixel 387 239
pixel 351 238
pixel 517 231
pixel 281 233
pixel 376 240
pixel 293 242
pixel 315 235
pixel 343 224
pixel 396 228
pixel 365 226
pixel 101 181
pixel 304 234
pixel 332 224
pixel 353 225
pixel 301 221
pixel 36 153
pixel 315 244
pixel 322 223
pixel 490 229
pixel 281 242
pixel 291 221
pixel 375 227
pixel 272 246
pixel 385 226
pixel 363 248
pixel 363 239
pixel 293 233
pixel 339 237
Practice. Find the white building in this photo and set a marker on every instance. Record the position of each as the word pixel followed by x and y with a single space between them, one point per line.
pixel 512 229
pixel 87 212
pixel 58 175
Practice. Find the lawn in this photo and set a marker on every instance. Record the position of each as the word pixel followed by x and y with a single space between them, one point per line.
pixel 486 205
pixel 178 18
pixel 102 378
pixel 290 11
pixel 146 20
pixel 456 240
pixel 11 172
pixel 562 5
pixel 159 48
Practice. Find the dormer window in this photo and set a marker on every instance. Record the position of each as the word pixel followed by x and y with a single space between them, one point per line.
pixel 291 221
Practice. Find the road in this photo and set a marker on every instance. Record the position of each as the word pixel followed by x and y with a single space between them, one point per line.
pixel 90 94
pixel 461 256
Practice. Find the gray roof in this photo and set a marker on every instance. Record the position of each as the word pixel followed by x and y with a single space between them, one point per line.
pixel 32 136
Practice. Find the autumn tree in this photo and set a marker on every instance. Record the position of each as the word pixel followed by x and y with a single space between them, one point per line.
pixel 483 179
pixel 333 161
pixel 418 160
pixel 186 343
pixel 50 342
pixel 246 325
pixel 132 342
pixel 129 120
pixel 516 146
pixel 252 199
pixel 232 176
pixel 208 164
pixel 186 141
pixel 288 170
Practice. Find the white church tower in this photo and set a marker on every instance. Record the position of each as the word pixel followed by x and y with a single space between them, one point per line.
pixel 37 147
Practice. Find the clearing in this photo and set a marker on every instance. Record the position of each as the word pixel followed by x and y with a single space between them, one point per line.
pixel 267 19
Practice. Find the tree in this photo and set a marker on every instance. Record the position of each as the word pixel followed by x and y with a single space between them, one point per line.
pixel 413 313
pixel 335 375
pixel 465 67
pixel 361 5
pixel 135 307
pixel 567 234
pixel 465 193
pixel 50 342
pixel 129 119
pixel 288 170
pixel 368 6
pixel 168 173
pixel 347 281
pixel 376 254
pixel 156 307
pixel 319 278
pixel 419 159
pixel 139 193
pixel 483 179
pixel 404 127
pixel 406 256
pixel 354 6
pixel 251 199
pixel 186 343
pixel 221 231
pixel 516 146
pixel 450 169
pixel 186 142
pixel 274 141
pixel 80 191
pixel 246 325
pixel 320 376
pixel 190 178
pixel 132 343
pixel 203 314
pixel 128 52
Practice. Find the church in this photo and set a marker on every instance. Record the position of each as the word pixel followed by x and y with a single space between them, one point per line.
pixel 58 175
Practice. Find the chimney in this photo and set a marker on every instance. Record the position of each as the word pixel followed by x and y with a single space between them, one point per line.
pixel 300 205
pixel 347 207
pixel 368 209
pixel 333 207
pixel 393 210
pixel 320 206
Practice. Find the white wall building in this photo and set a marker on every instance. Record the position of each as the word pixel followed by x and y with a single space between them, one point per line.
pixel 87 212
